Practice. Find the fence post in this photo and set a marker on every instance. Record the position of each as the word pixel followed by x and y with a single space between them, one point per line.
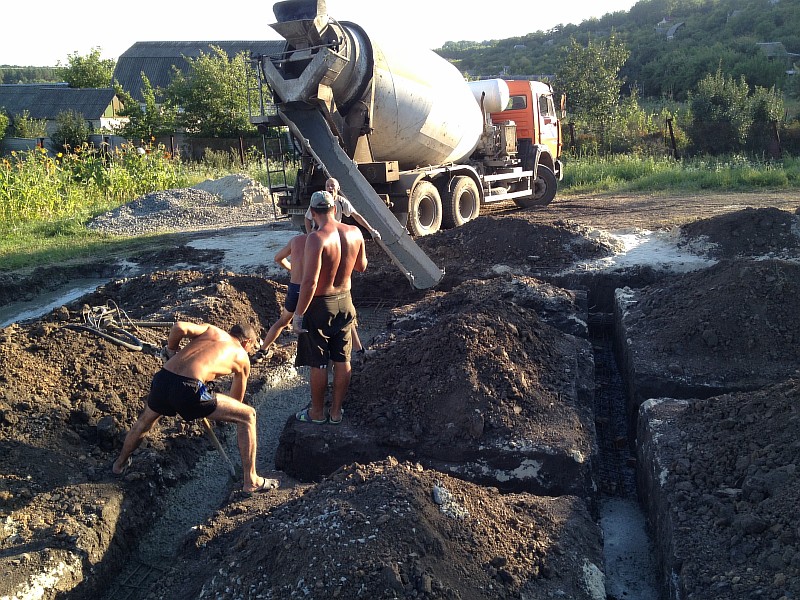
pixel 775 145
pixel 672 139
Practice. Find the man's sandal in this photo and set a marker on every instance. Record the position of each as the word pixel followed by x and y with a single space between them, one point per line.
pixel 266 485
pixel 305 417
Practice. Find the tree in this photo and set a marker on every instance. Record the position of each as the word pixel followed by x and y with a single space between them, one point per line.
pixel 721 117
pixel 89 71
pixel 150 120
pixel 27 127
pixel 589 76
pixel 213 95
pixel 72 131
pixel 767 111
pixel 4 120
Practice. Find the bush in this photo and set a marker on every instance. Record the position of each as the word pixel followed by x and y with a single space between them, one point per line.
pixel 4 120
pixel 72 131
pixel 26 127
pixel 720 115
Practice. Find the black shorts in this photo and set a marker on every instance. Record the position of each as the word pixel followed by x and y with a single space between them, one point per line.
pixel 292 296
pixel 328 321
pixel 172 394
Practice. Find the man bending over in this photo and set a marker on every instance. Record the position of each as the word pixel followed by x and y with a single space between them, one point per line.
pixel 180 388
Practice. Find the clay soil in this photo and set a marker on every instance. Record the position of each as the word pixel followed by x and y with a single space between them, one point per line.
pixel 393 528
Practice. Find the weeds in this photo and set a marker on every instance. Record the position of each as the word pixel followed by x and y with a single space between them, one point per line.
pixel 45 201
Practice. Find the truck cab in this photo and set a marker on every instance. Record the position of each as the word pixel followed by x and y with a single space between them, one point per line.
pixel 532 108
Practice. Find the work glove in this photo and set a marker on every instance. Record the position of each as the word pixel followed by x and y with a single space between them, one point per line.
pixel 297 324
pixel 166 354
pixel 376 235
pixel 261 355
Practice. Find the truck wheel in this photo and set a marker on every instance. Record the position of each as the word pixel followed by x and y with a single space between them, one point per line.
pixel 545 188
pixel 462 205
pixel 424 210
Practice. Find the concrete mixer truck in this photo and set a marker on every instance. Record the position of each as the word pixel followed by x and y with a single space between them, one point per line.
pixel 402 130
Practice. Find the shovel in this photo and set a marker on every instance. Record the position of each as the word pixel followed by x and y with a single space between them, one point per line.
pixel 213 437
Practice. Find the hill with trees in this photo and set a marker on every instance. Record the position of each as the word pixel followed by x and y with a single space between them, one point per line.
pixel 673 45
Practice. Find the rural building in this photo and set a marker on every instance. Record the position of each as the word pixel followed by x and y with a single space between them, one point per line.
pixel 157 59
pixel 99 106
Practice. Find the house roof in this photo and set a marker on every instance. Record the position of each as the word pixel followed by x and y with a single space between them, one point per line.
pixel 156 60
pixel 47 101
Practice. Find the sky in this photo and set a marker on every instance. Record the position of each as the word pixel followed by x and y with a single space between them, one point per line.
pixel 48 31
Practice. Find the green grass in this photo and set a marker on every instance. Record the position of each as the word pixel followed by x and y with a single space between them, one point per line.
pixel 666 175
pixel 58 243
pixel 45 202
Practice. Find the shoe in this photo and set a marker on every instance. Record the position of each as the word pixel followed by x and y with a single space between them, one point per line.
pixel 124 467
pixel 331 420
pixel 304 417
pixel 266 485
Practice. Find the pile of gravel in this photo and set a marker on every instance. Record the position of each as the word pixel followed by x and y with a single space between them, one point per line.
pixel 183 209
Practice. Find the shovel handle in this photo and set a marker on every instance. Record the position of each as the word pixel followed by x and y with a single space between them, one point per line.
pixel 213 437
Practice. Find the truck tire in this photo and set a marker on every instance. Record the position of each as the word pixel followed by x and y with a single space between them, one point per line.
pixel 424 210
pixel 461 205
pixel 545 188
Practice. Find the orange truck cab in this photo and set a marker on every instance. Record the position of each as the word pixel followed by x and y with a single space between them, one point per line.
pixel 531 106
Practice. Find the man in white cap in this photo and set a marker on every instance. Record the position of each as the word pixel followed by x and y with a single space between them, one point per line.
pixel 325 311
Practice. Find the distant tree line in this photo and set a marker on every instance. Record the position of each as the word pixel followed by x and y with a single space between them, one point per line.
pixel 725 93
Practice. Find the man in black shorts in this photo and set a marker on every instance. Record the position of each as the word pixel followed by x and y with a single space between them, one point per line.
pixel 325 310
pixel 180 387
pixel 294 251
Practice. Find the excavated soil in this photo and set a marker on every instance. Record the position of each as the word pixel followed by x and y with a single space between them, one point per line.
pixel 393 528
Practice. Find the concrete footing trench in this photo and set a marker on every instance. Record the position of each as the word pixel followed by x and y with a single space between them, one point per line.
pixel 594 430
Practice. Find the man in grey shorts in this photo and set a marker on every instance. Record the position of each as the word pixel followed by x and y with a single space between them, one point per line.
pixel 180 387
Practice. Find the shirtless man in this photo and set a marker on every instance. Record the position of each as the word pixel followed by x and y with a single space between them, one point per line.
pixel 293 249
pixel 325 309
pixel 180 388
pixel 344 208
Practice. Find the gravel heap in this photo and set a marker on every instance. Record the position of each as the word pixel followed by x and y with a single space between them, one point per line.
pixel 214 204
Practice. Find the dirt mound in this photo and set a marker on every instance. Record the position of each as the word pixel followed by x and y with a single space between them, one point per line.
pixel 472 364
pixel 746 233
pixel 733 487
pixel 395 530
pixel 735 322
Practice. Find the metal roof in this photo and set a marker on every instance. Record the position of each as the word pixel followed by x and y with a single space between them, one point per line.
pixel 47 101
pixel 156 60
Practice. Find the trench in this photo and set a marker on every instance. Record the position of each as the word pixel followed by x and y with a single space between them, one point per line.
pixel 208 485
pixel 630 569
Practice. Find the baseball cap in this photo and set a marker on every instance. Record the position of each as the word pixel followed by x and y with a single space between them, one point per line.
pixel 321 200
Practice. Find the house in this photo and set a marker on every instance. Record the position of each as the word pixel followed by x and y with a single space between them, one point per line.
pixel 99 106
pixel 157 59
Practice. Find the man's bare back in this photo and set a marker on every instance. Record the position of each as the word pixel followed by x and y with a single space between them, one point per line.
pixel 210 353
pixel 337 249
pixel 297 247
